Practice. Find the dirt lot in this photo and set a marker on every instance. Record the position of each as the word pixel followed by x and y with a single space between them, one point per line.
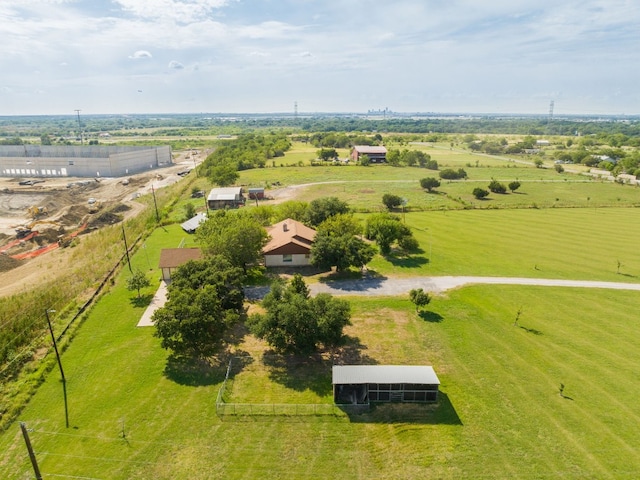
pixel 68 208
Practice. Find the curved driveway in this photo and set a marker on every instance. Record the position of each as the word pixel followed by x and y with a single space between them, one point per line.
pixel 375 286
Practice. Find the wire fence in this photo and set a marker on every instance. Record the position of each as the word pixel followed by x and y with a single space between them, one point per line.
pixel 233 409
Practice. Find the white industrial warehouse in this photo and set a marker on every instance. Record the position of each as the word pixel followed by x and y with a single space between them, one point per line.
pixel 80 161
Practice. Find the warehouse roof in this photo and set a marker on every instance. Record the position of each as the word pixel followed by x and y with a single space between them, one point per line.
pixel 358 374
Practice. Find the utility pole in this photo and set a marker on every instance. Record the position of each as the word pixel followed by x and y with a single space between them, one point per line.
pixel 64 380
pixel 126 249
pixel 79 127
pixel 155 203
pixel 32 455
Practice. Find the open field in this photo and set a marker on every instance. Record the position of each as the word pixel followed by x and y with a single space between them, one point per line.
pixel 500 414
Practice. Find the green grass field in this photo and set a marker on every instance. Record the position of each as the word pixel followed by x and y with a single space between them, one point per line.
pixel 137 414
pixel 500 414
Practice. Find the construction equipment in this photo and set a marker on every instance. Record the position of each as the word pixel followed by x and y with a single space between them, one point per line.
pixel 94 205
pixel 36 212
pixel 22 232
pixel 65 240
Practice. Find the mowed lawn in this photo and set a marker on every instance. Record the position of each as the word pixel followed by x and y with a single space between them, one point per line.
pixel 500 414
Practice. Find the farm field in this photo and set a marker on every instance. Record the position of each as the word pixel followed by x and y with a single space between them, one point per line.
pixel 136 413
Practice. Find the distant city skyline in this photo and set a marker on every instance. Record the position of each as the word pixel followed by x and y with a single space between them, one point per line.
pixel 261 56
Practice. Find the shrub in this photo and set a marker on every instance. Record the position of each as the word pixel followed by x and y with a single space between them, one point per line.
pixel 497 187
pixel 480 193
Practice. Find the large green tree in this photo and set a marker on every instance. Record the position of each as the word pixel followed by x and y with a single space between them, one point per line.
pixel 294 322
pixel 386 229
pixel 336 244
pixel 322 208
pixel 236 235
pixel 204 299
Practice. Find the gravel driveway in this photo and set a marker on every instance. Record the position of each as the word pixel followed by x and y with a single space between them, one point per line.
pixel 375 286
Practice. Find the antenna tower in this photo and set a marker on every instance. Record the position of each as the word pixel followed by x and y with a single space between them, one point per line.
pixel 295 109
pixel 550 118
pixel 79 127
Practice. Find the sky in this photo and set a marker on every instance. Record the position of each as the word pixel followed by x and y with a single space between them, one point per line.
pixel 264 56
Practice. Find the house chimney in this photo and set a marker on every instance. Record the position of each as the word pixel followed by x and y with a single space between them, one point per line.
pixel 285 227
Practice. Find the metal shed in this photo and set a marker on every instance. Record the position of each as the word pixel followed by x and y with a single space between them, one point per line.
pixel 361 384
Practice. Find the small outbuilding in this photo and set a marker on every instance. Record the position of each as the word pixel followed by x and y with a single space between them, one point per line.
pixel 256 193
pixel 228 197
pixel 172 258
pixel 289 245
pixel 363 384
pixel 191 225
pixel 376 154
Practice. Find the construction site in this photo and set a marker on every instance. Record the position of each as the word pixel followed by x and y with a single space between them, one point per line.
pixel 45 215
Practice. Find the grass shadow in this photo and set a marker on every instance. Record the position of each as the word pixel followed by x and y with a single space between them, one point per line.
pixel 407 261
pixel 313 372
pixel 429 316
pixel 440 413
pixel 354 281
pixel 199 372
pixel 628 275
pixel 300 373
pixel 194 372
pixel 531 330
pixel 142 301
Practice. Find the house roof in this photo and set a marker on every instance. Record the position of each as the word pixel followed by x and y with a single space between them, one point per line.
pixel 367 149
pixel 193 223
pixel 174 257
pixel 287 232
pixel 227 193
pixel 358 374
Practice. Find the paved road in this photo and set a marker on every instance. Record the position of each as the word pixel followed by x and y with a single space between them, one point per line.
pixel 374 286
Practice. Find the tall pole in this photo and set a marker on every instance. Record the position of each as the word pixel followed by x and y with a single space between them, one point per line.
pixel 64 380
pixel 32 455
pixel 80 127
pixel 155 203
pixel 126 249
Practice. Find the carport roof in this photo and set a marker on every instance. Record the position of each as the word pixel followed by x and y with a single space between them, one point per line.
pixel 359 374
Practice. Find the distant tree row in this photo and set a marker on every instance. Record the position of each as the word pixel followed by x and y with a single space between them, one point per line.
pixel 246 152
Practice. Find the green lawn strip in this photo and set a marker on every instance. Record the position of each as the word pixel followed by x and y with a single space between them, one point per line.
pixel 553 243
pixel 515 372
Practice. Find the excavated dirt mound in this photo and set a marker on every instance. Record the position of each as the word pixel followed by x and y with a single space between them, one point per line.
pixel 7 263
pixel 74 215
pixel 120 208
pixel 103 219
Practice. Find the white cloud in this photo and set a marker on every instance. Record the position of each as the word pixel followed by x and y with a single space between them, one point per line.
pixel 140 54
pixel 174 65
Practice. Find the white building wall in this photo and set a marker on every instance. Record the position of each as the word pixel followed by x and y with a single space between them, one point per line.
pixel 297 260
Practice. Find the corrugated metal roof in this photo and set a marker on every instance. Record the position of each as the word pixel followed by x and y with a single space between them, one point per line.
pixel 370 149
pixel 226 193
pixel 358 374
pixel 194 222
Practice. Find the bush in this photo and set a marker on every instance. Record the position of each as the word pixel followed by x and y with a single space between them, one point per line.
pixel 497 187
pixel 513 186
pixel 429 183
pixel 451 174
pixel 391 201
pixel 480 193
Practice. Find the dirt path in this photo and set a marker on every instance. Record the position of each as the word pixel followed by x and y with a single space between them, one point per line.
pixel 381 286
